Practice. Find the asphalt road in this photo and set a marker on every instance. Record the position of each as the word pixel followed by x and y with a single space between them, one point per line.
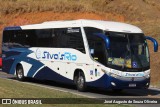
pixel 94 93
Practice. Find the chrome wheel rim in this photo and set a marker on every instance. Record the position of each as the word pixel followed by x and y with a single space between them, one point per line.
pixel 20 73
pixel 80 81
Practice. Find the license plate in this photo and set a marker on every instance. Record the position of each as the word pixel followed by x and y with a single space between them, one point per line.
pixel 132 85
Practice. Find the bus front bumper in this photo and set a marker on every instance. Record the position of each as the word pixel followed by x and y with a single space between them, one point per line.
pixel 127 82
pixel 110 82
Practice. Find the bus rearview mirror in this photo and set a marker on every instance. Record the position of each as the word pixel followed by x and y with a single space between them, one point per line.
pixel 155 43
pixel 105 38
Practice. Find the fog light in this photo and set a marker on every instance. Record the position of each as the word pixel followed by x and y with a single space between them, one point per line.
pixel 113 84
pixel 147 84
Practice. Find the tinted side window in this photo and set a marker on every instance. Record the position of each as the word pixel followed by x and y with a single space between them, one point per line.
pixel 70 38
pixel 96 44
pixel 7 40
pixel 20 38
pixel 56 38
pixel 15 38
pixel 8 36
pixel 31 39
pixel 44 37
pixel 90 34
pixel 75 39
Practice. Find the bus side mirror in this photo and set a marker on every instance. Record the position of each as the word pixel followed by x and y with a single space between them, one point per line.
pixel 155 43
pixel 107 42
pixel 105 38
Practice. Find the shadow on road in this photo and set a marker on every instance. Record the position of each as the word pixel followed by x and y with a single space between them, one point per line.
pixel 126 92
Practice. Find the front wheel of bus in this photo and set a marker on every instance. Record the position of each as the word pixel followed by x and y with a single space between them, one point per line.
pixel 20 73
pixel 80 82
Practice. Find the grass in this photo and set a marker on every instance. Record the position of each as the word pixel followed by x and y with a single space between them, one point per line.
pixel 22 90
pixel 14 89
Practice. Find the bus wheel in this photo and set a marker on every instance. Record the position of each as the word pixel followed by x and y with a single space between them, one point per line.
pixel 80 82
pixel 20 73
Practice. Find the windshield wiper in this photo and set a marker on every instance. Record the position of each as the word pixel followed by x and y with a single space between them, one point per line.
pixel 128 53
pixel 127 56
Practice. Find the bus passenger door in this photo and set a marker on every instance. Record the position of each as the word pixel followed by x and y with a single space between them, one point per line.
pixel 99 56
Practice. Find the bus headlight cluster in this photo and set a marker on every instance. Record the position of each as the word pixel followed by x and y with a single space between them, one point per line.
pixel 147 76
pixel 113 75
pixel 147 84
pixel 104 71
pixel 109 73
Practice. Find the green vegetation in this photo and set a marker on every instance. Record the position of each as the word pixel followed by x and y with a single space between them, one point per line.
pixel 131 9
pixel 14 89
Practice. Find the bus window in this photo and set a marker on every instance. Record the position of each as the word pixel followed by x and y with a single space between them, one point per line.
pixel 96 45
pixel 70 38
pixel 44 37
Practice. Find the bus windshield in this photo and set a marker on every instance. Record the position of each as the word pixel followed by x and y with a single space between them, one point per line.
pixel 127 51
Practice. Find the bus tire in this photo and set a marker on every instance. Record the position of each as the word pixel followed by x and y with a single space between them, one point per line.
pixel 20 73
pixel 80 82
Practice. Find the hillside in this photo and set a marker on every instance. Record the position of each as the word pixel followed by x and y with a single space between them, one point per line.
pixel 142 13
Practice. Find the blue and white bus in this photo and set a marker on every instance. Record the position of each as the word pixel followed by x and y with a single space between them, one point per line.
pixel 87 53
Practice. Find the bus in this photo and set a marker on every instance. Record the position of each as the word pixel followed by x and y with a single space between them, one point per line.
pixel 84 53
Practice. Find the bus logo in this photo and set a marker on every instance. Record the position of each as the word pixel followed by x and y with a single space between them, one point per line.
pixel 38 54
pixel 56 56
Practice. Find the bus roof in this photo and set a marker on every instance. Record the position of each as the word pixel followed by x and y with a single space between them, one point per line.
pixel 104 25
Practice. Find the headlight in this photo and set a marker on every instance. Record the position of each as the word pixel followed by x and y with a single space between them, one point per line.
pixel 109 73
pixel 147 76
pixel 113 75
pixel 104 71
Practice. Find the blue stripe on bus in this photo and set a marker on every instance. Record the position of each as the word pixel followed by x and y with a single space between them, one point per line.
pixel 21 55
pixel 48 74
pixel 105 83
pixel 101 82
pixel 13 28
pixel 18 55
pixel 9 60
pixel 35 66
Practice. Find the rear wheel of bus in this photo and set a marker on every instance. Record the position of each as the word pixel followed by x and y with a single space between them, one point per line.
pixel 20 73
